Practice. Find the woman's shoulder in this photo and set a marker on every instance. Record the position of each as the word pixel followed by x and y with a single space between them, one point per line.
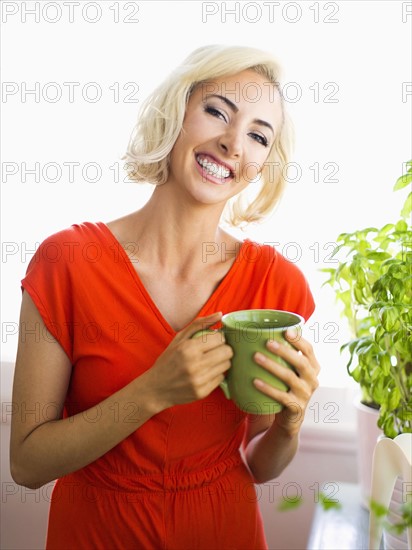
pixel 280 279
pixel 71 244
pixel 76 230
pixel 266 257
pixel 69 238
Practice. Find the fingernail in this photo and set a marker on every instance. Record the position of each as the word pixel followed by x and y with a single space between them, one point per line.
pixel 291 333
pixel 273 344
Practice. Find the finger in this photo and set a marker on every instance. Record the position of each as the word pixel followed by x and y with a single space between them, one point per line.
pixel 199 324
pixel 301 385
pixel 301 344
pixel 282 396
pixel 302 381
pixel 213 384
pixel 210 339
pixel 292 406
pixel 218 354
pixel 210 378
pixel 300 362
pixel 218 371
pixel 286 375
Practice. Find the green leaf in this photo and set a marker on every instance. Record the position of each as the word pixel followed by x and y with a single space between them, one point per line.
pixel 380 256
pixel 405 415
pixel 328 503
pixel 357 292
pixel 385 364
pixel 386 228
pixel 336 250
pixel 355 373
pixel 368 230
pixel 396 269
pixel 394 399
pixel 379 510
pixel 402 181
pixel 355 267
pixel 406 521
pixel 379 334
pixel 396 288
pixel 361 279
pixel 389 317
pixel 377 390
pixel 289 504
pixel 407 207
pixel 387 423
pixel 401 226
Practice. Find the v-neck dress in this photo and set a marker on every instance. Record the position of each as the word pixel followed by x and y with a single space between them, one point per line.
pixel 179 481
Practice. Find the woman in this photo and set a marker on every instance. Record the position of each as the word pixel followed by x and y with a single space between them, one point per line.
pixel 131 420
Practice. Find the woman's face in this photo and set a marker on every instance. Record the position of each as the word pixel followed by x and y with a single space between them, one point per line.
pixel 229 128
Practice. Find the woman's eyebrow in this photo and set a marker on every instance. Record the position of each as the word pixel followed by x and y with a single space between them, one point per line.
pixel 235 109
pixel 229 103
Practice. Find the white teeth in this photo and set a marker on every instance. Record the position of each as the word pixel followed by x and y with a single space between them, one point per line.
pixel 213 168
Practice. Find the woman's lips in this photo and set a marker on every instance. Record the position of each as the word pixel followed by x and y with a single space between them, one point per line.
pixel 212 170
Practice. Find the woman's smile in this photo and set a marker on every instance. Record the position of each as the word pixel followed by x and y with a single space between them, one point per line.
pixel 213 170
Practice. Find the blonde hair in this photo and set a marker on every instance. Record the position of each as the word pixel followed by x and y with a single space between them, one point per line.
pixel 161 119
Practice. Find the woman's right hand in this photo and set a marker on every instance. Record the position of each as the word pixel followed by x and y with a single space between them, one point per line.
pixel 46 446
pixel 190 368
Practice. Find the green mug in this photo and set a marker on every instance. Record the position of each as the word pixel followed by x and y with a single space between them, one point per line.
pixel 247 332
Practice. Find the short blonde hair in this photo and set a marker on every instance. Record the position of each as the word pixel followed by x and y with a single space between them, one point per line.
pixel 161 119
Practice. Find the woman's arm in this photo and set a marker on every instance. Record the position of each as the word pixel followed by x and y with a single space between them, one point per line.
pixel 268 448
pixel 44 446
pixel 271 441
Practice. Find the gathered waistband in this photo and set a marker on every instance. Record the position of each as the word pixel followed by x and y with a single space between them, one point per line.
pixel 103 478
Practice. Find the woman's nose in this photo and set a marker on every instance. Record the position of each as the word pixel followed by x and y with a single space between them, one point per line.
pixel 231 143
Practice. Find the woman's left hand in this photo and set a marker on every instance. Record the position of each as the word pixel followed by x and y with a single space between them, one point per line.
pixel 302 383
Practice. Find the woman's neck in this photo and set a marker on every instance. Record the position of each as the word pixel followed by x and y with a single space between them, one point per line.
pixel 176 235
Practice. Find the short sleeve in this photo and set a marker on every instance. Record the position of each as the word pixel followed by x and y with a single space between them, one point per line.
pixel 48 283
pixel 297 292
pixel 286 285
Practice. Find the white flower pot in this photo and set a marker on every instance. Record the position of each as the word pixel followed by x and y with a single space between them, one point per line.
pixel 392 460
pixel 391 540
pixel 367 435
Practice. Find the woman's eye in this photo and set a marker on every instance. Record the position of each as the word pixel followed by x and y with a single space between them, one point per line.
pixel 215 112
pixel 260 139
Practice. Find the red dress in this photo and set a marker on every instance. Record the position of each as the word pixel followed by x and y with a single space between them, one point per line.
pixel 178 481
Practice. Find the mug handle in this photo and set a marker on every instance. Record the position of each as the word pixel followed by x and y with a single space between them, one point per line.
pixel 223 385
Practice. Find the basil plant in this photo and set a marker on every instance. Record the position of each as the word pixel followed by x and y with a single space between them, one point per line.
pixel 374 285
